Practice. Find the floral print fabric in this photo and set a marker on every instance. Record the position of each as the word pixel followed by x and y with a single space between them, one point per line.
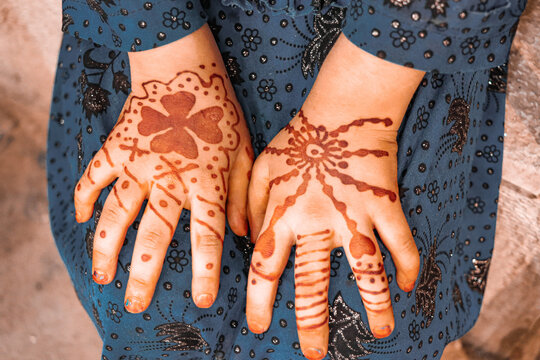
pixel 449 166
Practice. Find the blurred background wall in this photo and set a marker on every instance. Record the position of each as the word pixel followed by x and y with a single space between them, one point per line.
pixel 40 317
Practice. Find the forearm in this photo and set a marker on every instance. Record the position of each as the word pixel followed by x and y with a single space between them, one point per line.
pixel 353 83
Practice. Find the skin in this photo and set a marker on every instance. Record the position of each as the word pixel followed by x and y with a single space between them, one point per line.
pixel 181 142
pixel 327 180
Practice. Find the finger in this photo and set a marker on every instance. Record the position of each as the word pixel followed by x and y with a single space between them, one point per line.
pixel 269 259
pixel 396 235
pixel 258 193
pixel 311 280
pixel 120 209
pixel 207 231
pixel 155 233
pixel 99 173
pixel 366 262
pixel 237 196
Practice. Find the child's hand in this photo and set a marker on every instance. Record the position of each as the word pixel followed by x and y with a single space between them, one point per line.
pixel 181 142
pixel 328 179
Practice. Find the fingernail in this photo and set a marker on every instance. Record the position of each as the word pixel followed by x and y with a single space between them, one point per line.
pixel 409 287
pixel 134 305
pixel 382 332
pixel 99 277
pixel 313 354
pixel 205 300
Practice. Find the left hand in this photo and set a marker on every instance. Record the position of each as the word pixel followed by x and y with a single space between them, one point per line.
pixel 327 180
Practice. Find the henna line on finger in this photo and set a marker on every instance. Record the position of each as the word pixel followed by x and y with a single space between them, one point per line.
pixel 107 156
pixel 373 292
pixel 115 192
pixel 368 272
pixel 169 225
pixel 322 232
pixel 376 302
pixel 218 235
pixel 306 317
pixel 314 326
pixel 311 272
pixel 311 261
pixel 314 282
pixel 88 175
pixel 326 249
pixel 312 305
pixel 377 310
pixel 221 209
pixel 169 194
pixel 264 276
pixel 318 293
pixel 133 177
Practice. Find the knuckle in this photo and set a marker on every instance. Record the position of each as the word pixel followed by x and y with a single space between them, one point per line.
pixel 153 239
pixel 112 212
pixel 208 244
pixel 139 283
pixel 102 258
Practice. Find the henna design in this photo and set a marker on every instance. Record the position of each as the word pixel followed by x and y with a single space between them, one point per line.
pixel 314 147
pixel 176 138
pixel 312 308
pixel 317 155
pixel 146 257
pixel 134 150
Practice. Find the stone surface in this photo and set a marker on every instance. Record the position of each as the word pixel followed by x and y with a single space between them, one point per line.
pixel 40 316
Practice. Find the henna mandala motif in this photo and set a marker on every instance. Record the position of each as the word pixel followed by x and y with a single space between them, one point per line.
pixel 319 151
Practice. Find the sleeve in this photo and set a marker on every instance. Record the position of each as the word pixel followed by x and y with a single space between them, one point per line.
pixel 435 35
pixel 131 25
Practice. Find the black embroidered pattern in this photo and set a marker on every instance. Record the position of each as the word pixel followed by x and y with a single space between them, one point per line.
pixel 327 28
pixel 233 68
pixel 96 98
pixel 180 336
pixel 458 115
pixel 431 271
pixel 456 296
pixel 477 276
pixel 348 333
pixel 90 231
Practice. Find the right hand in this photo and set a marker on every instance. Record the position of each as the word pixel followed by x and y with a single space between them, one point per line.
pixel 181 142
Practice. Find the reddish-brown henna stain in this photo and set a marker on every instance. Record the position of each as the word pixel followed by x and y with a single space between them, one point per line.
pixel 169 194
pixel 107 156
pixel 220 208
pixel 169 225
pixel 312 147
pixel 97 163
pixel 133 177
pixel 135 150
pixel 120 203
pixel 209 266
pixel 125 184
pixel 145 257
pixel 102 233
pixel 163 203
pixel 203 123
pixel 209 227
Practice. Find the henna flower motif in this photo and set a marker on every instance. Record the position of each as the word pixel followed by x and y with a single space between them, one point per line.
pixel 204 124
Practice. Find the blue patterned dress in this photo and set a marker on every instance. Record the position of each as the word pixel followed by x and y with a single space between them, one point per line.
pixel 450 152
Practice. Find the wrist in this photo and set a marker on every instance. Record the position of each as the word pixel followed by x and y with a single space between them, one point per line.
pixel 197 52
pixel 355 84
